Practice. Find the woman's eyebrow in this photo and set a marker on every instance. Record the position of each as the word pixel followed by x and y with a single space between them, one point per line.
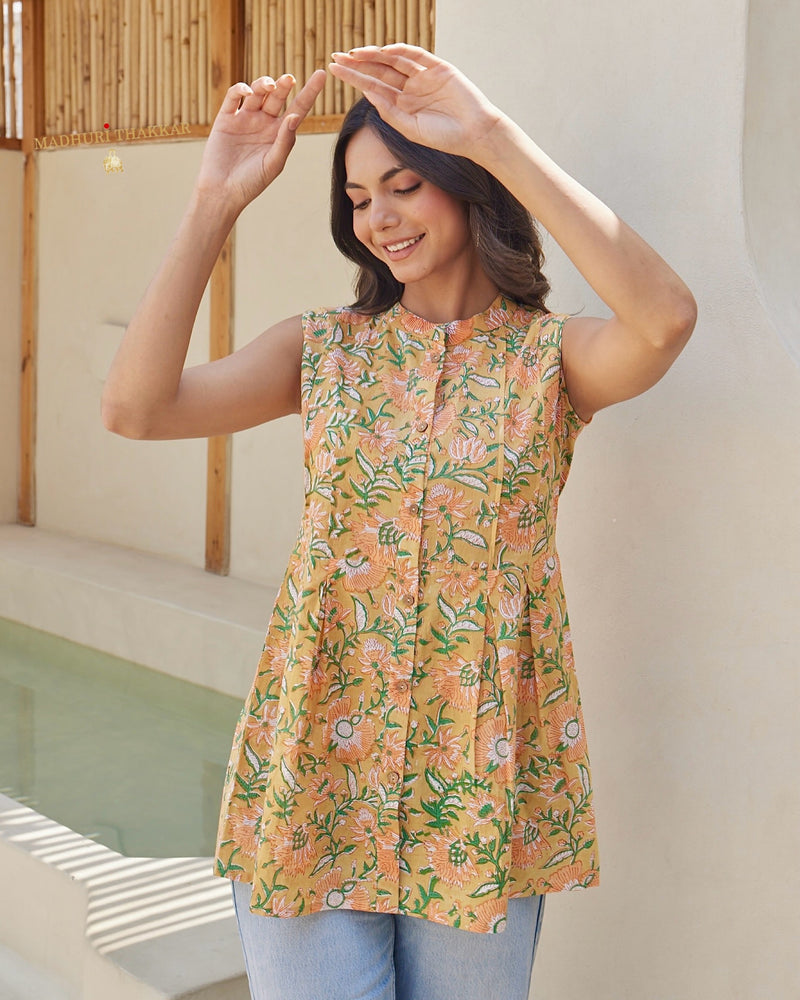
pixel 383 178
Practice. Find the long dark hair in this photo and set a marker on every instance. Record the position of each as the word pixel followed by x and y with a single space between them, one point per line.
pixel 505 236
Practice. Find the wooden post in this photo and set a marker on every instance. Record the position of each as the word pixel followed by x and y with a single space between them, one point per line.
pixel 224 27
pixel 32 126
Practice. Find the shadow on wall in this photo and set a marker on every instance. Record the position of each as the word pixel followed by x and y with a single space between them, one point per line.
pixel 771 162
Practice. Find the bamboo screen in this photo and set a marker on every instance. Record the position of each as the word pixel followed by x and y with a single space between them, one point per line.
pixel 298 36
pixel 126 63
pixel 10 69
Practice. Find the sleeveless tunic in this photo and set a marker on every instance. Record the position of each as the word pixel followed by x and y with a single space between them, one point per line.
pixel 413 741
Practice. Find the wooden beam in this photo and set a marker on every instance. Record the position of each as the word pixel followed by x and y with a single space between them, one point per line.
pixel 32 125
pixel 226 67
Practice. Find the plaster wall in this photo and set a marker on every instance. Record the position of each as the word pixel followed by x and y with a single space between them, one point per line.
pixel 679 525
pixel 10 304
pixel 101 238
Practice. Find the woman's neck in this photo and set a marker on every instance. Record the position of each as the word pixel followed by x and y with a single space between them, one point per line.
pixel 444 302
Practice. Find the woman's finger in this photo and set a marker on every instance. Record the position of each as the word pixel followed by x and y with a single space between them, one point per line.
pixel 233 98
pixel 276 100
pixel 398 54
pixel 381 94
pixel 304 100
pixel 379 69
pixel 259 89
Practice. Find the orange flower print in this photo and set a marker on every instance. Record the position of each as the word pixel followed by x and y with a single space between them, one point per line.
pixel 336 614
pixel 401 387
pixel 494 751
pixel 527 681
pixel 571 877
pixel 541 620
pixel 260 726
pixel 360 574
pixel 375 657
pixel 312 434
pixel 547 568
pixel 527 844
pixel 417 325
pixel 507 657
pixel 517 526
pixel 377 536
pixel 339 366
pixel 244 825
pixel 281 906
pixel 490 917
pixel 323 787
pixel 388 865
pixel 456 680
pixel 443 416
pixel 445 502
pixel 293 848
pixel 324 462
pixel 467 449
pixel 336 894
pixel 364 826
pixel 381 439
pixel 458 582
pixel 450 860
pixel 460 360
pixel 526 369
pixel 314 674
pixel 444 754
pixel 482 808
pixel 565 730
pixel 519 422
pixel 510 606
pixel 349 734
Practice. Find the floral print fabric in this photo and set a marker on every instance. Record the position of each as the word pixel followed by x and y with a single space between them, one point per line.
pixel 413 741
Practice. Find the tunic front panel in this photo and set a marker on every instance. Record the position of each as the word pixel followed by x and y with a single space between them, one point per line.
pixel 413 741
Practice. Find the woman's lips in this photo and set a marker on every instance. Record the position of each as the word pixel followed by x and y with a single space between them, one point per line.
pixel 402 248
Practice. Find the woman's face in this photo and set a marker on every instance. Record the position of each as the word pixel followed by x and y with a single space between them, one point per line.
pixel 414 227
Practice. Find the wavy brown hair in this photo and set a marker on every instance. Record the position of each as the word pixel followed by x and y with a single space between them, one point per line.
pixel 505 235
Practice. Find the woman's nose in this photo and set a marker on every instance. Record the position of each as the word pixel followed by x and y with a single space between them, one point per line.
pixel 383 215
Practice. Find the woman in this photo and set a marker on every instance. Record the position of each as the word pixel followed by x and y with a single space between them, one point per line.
pixel 413 744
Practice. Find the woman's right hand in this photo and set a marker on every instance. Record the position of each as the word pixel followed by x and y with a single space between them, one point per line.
pixel 248 145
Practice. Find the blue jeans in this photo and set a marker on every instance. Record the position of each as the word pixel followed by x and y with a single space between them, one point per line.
pixel 348 955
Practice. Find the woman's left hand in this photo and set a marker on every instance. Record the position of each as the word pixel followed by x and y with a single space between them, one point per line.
pixel 425 98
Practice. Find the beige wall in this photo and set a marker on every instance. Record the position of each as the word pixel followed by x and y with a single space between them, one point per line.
pixel 679 525
pixel 10 274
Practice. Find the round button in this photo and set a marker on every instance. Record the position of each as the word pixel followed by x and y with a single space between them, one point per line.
pixel 421 425
pixel 402 686
pixel 414 508
pixel 409 600
pixel 394 779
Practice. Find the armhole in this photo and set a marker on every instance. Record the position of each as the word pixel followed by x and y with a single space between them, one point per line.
pixel 310 357
pixel 572 419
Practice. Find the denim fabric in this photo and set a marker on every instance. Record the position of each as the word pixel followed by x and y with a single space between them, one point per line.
pixel 348 955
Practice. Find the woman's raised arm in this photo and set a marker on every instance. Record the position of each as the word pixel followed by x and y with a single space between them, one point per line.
pixel 605 360
pixel 148 394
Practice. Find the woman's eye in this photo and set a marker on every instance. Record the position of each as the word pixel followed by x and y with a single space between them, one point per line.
pixel 410 190
pixel 359 205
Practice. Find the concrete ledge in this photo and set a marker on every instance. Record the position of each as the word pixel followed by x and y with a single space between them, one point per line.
pixel 80 921
pixel 174 618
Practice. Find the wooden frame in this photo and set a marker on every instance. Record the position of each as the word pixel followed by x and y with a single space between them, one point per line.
pixel 225 27
pixel 32 124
